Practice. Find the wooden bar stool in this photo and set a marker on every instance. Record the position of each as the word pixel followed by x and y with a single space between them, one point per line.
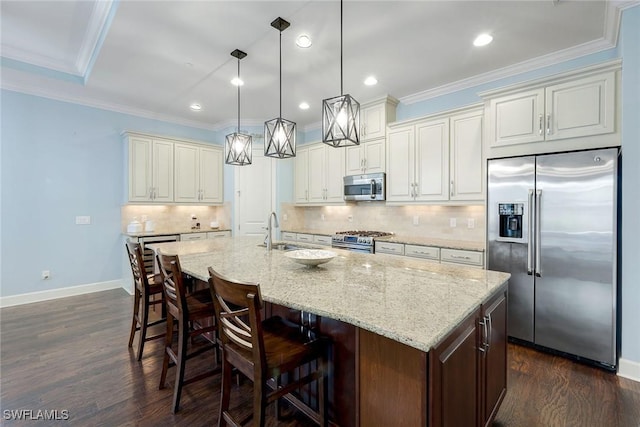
pixel 192 311
pixel 147 291
pixel 263 350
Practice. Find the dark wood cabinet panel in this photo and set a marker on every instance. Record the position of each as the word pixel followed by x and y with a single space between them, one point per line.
pixel 453 385
pixel 392 382
pixel 494 358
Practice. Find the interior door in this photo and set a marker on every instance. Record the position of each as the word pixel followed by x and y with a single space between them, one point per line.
pixel 254 189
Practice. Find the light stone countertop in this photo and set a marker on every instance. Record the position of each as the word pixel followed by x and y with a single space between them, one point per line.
pixel 411 301
pixel 412 240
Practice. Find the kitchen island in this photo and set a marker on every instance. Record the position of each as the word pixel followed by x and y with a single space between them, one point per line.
pixel 414 342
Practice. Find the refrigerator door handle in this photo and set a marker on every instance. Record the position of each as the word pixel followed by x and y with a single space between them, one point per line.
pixel 538 268
pixel 530 235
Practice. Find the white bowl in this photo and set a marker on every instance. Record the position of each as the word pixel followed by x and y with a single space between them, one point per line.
pixel 310 257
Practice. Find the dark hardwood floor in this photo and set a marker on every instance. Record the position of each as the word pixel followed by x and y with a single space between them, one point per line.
pixel 71 354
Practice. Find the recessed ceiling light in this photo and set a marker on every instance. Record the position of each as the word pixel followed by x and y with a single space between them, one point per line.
pixel 482 40
pixel 370 81
pixel 195 107
pixel 237 82
pixel 303 106
pixel 303 41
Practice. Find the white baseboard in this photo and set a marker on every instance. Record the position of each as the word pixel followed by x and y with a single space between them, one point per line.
pixel 12 300
pixel 629 369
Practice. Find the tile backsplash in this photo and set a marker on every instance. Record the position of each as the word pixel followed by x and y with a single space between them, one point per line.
pixel 173 218
pixel 465 223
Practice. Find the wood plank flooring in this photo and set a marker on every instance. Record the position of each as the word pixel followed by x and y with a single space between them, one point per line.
pixel 71 354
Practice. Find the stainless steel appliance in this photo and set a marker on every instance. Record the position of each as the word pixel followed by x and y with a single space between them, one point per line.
pixel 358 241
pixel 552 224
pixel 148 255
pixel 366 187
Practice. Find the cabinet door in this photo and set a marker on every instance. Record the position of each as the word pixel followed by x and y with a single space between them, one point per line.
pixel 494 372
pixel 162 171
pixel 334 173
pixel 374 155
pixel 581 107
pixel 140 169
pixel 400 174
pixel 373 124
pixel 517 118
pixel 211 181
pixel 432 160
pixel 301 173
pixel 466 157
pixel 354 160
pixel 187 173
pixel 453 365
pixel 317 167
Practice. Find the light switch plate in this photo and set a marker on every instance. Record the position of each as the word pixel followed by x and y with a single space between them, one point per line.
pixel 416 220
pixel 83 220
pixel 471 223
pixel 452 222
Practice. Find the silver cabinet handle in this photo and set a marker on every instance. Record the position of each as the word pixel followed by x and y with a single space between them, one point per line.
pixel 490 328
pixel 530 234
pixel 460 257
pixel 365 164
pixel 548 124
pixel 540 121
pixel 538 263
pixel 306 194
pixel 151 193
pixel 452 189
pixel 483 341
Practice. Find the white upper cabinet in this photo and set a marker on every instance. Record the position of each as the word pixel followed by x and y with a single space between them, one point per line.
pixel 436 159
pixel 369 156
pixel 319 169
pixel 198 174
pixel 163 170
pixel 150 170
pixel 568 112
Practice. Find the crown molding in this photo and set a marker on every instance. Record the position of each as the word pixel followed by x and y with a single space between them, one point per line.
pixel 613 14
pixel 97 28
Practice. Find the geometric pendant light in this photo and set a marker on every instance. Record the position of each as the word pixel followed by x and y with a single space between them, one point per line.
pixel 340 114
pixel 237 145
pixel 279 133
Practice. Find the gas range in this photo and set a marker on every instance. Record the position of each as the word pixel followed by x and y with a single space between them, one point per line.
pixel 357 240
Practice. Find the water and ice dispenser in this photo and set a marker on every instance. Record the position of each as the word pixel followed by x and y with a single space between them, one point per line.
pixel 511 221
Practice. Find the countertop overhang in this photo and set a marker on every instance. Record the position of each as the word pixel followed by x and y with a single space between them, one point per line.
pixel 412 301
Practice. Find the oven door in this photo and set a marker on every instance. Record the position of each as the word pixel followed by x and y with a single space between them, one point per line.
pixel 364 187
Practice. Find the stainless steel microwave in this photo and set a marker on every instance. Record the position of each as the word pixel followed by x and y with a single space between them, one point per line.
pixel 366 187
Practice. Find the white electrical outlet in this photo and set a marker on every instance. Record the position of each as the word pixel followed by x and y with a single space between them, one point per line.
pixel 83 220
pixel 471 223
pixel 350 218
pixel 285 217
pixel 416 220
pixel 452 222
pixel 322 217
pixel 46 274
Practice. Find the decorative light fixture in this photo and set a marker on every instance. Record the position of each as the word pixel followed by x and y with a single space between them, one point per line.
pixel 340 114
pixel 237 145
pixel 279 133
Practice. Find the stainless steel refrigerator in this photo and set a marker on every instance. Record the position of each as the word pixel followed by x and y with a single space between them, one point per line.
pixel 552 224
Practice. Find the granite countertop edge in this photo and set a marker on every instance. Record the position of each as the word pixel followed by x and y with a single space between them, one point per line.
pixel 172 232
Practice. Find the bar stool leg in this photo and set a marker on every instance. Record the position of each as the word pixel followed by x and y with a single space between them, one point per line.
pixel 183 339
pixel 168 338
pixel 226 392
pixel 136 311
pixel 143 325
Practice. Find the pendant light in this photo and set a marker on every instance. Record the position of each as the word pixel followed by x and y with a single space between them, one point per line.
pixel 279 133
pixel 340 114
pixel 237 145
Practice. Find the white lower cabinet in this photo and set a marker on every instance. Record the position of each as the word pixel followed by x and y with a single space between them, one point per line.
pixel 308 238
pixel 216 234
pixel 186 237
pixel 426 252
pixel 287 235
pixel 389 248
pixel 322 240
pixel 459 256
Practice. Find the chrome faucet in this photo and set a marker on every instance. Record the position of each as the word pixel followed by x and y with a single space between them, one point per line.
pixel 268 238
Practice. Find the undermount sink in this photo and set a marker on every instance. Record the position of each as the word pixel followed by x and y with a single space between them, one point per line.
pixel 283 247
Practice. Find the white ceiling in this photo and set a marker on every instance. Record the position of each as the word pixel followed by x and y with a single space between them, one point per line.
pixel 155 58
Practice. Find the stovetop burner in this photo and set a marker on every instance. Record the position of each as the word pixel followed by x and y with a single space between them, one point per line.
pixel 364 233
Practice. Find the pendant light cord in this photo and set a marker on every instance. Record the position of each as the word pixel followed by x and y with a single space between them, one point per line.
pixel 280 73
pixel 341 89
pixel 238 95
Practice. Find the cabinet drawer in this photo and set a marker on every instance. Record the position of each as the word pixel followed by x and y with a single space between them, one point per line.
pixel 286 235
pixel 304 238
pixel 390 248
pixel 215 234
pixel 417 251
pixel 192 236
pixel 458 256
pixel 322 240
